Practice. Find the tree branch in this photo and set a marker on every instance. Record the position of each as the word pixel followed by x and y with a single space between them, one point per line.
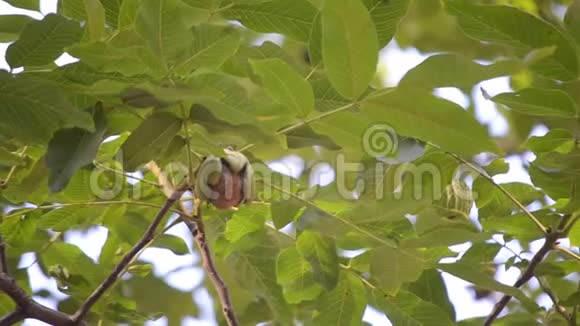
pixel 198 232
pixel 28 307
pixel 196 227
pixel 13 317
pixel 3 261
pixel 550 240
pixel 126 260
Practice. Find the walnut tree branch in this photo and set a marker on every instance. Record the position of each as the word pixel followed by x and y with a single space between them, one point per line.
pixel 12 318
pixel 28 307
pixel 198 232
pixel 557 307
pixel 126 260
pixel 196 227
pixel 550 238
pixel 3 261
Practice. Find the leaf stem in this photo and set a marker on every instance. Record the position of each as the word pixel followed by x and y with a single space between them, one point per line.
pixel 560 309
pixel 96 203
pixel 12 169
pixel 127 175
pixel 568 252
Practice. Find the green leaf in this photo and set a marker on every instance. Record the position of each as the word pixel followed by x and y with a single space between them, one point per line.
pixel 128 13
pixel 306 137
pixel 325 96
pixel 556 268
pixel 160 23
pixel 112 8
pixel 212 46
pixel 559 140
pixel 293 18
pixel 239 64
pixel 351 139
pixel 572 20
pixel 419 114
pixel 344 305
pixel 96 19
pixel 16 231
pixel 11 25
pixel 431 288
pixel 285 85
pixel 71 149
pixel 408 309
pixel 349 46
pixel 63 219
pixel 105 57
pixel 230 103
pixel 285 211
pixel 31 110
pixel 520 31
pixel 42 42
pixel 140 270
pixel 256 270
pixel 174 243
pixel 149 140
pixel 556 184
pixel 453 70
pixel 176 305
pixel 446 235
pixel 32 188
pixel 519 225
pixel 386 16
pixel 73 259
pixel 26 4
pixel 295 276
pixel 242 225
pixel 315 41
pixel 475 275
pixel 320 252
pixel 539 102
pixel 481 253
pixel 392 267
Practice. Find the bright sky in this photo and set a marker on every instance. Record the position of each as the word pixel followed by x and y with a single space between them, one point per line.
pixel 187 278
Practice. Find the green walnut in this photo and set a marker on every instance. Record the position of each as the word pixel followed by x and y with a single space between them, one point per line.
pixel 226 181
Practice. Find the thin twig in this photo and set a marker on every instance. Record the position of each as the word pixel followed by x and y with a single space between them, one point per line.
pixel 196 227
pixel 568 252
pixel 12 318
pixel 560 309
pixel 550 239
pixel 31 308
pixel 3 260
pixel 198 232
pixel 147 237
